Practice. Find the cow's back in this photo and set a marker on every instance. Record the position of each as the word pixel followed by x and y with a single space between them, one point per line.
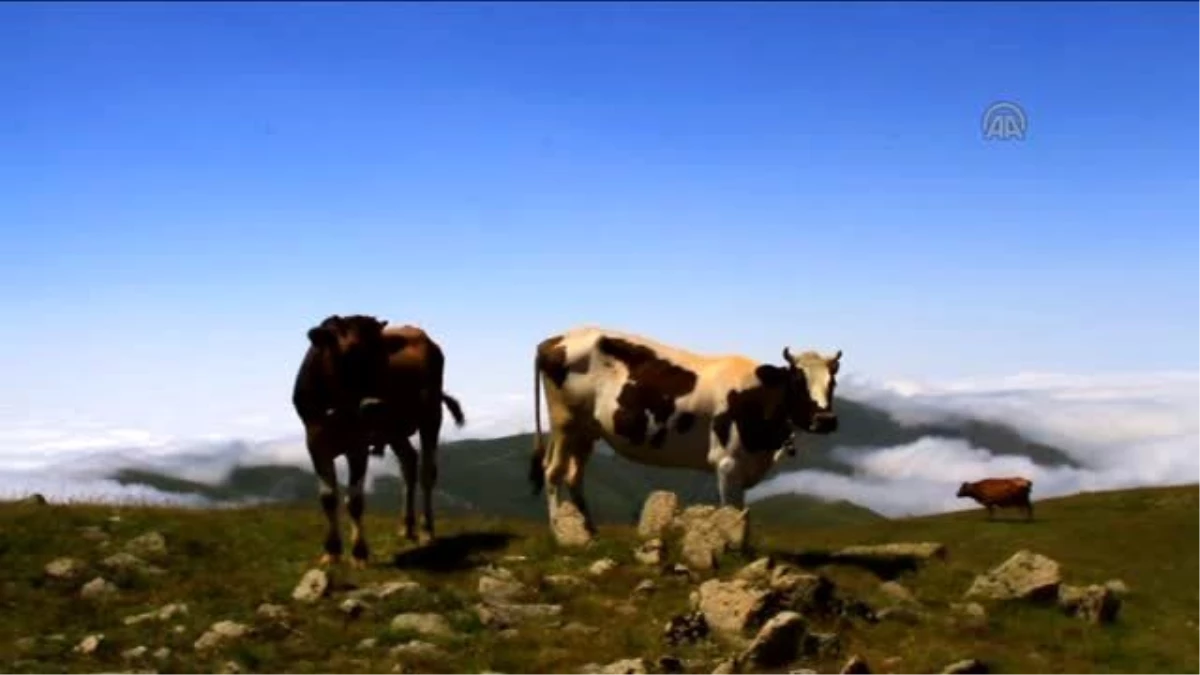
pixel 651 402
pixel 1003 491
pixel 415 361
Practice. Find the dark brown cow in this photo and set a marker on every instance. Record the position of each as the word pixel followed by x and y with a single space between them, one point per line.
pixel 363 383
pixel 413 399
pixel 1002 493
pixel 339 379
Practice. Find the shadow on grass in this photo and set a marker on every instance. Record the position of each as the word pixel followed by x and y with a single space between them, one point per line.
pixel 454 553
pixel 886 568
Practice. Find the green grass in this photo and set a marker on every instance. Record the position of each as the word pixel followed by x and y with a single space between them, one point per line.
pixel 224 563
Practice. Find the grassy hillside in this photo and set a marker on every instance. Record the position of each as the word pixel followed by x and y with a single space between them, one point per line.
pixel 224 563
pixel 489 475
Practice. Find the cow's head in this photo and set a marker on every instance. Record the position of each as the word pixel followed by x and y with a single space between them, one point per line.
pixel 354 349
pixel 964 490
pixel 813 379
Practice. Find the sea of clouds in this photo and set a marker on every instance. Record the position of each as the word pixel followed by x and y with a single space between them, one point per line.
pixel 1123 431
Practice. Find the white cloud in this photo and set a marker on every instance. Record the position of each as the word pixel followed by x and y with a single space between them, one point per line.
pixel 1123 430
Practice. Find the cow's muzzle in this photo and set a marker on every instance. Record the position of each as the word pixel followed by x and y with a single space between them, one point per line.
pixel 823 423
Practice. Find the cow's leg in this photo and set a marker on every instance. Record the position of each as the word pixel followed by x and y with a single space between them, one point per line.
pixel 407 456
pixel 321 449
pixel 555 463
pixel 577 458
pixel 429 432
pixel 729 483
pixel 1028 510
pixel 991 512
pixel 356 503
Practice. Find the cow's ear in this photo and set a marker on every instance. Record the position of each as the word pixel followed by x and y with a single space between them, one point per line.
pixel 321 336
pixel 787 356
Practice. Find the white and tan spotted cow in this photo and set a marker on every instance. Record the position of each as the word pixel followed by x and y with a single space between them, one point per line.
pixel 664 406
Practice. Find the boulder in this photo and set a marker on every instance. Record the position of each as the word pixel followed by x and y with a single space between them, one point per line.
pixel 709 532
pixel 778 642
pixel 733 607
pixel 569 526
pixel 658 513
pixel 1024 576
pixel 1095 604
pixel 757 572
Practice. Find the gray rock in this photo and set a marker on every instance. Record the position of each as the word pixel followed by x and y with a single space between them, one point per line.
pixel 417 649
pixel 650 552
pixel 90 644
pixel 645 587
pixel 579 629
pixel 627 667
pixel 897 591
pixel 658 513
pixel 312 587
pixel 124 562
pixel 1117 586
pixel 97 589
pixel 220 634
pixel 970 614
pixel 1095 604
pixel 778 642
pixel 135 653
pixel 569 527
pixel 501 587
pixel 427 624
pixel 856 665
pixel 164 613
pixel 231 668
pixel 602 566
pixel 353 607
pixel 400 590
pixel 564 581
pixel 1024 576
pixel 162 653
pixel 367 644
pixel 505 615
pixel 966 667
pixel 709 532
pixel 733 607
pixel 148 545
pixel 272 613
pixel 65 569
pixel 803 592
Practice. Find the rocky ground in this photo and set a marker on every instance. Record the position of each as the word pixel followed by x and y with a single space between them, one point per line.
pixel 684 592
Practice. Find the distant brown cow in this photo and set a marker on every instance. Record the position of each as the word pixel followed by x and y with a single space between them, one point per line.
pixel 363 384
pixel 995 493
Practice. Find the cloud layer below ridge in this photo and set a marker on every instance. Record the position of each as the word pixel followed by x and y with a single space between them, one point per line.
pixel 1124 431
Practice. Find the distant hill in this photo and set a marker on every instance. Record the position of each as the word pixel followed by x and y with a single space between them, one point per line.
pixel 490 475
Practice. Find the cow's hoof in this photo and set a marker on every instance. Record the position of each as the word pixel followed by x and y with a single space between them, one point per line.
pixel 328 559
pixel 358 563
pixel 426 538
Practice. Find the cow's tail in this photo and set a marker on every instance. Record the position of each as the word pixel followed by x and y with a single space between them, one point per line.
pixel 455 409
pixel 537 475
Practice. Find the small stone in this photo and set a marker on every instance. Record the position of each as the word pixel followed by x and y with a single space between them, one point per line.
pixel 726 667
pixel 897 592
pixel 502 615
pixel 569 526
pixel 164 613
pixel 162 653
pixel 514 559
pixel 367 644
pixel 576 628
pixel 353 607
pixel 625 667
pixel 1095 604
pixel 417 649
pixel 90 644
pixel 271 612
pixel 312 587
pixel 856 665
pixel 500 588
pixel 602 567
pixel 148 545
pixel 563 581
pixel 134 653
pixel 1117 586
pixel 97 589
pixel 65 569
pixel 179 629
pixel 221 633
pixel 231 668
pixel 646 587
pixel 649 552
pixel 127 562
pixel 966 667
pixel 427 624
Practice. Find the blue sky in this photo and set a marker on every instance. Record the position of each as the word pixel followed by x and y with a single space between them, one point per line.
pixel 186 188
